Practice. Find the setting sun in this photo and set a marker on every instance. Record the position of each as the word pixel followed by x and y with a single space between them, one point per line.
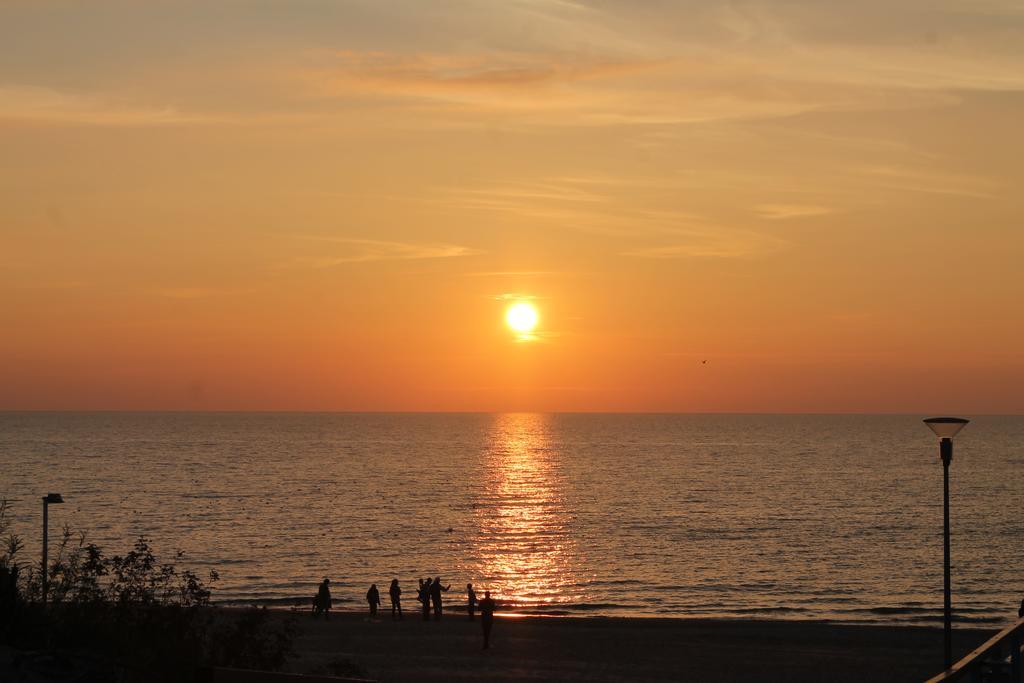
pixel 521 317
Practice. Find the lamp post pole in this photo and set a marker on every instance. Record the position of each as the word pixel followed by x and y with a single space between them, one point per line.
pixel 946 453
pixel 46 543
pixel 946 428
pixel 54 498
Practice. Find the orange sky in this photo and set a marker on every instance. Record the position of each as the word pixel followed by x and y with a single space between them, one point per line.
pixel 329 205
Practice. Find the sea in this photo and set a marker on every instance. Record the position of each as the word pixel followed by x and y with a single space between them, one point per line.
pixel 818 517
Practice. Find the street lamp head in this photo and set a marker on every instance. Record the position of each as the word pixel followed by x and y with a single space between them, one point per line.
pixel 53 498
pixel 946 427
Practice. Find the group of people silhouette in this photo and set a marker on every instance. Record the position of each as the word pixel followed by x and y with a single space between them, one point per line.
pixel 428 594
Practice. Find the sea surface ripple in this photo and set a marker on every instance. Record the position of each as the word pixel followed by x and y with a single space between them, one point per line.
pixel 739 516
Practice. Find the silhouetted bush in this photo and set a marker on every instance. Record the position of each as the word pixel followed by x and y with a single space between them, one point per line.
pixel 10 594
pixel 149 621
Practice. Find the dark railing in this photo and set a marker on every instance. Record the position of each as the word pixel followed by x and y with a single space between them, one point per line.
pixel 997 659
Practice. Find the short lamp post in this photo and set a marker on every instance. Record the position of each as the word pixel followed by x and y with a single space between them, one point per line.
pixel 946 428
pixel 48 499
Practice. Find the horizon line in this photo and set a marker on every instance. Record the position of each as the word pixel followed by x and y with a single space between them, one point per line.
pixel 485 412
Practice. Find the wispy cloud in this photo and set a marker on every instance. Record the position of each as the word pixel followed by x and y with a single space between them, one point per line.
pixel 578 63
pixel 35 104
pixel 514 296
pixel 460 75
pixel 554 88
pixel 604 208
pixel 514 273
pixel 563 192
pixel 365 251
pixel 712 243
pixel 599 208
pixel 784 211
pixel 549 203
pixel 930 181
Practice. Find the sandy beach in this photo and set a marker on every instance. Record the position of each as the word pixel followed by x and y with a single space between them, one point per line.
pixel 619 649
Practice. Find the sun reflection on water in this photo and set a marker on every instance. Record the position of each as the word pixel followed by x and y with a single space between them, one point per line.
pixel 525 550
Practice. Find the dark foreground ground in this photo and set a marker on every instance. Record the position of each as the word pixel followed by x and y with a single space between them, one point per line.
pixel 617 649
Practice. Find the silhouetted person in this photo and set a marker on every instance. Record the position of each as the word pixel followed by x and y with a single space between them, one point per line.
pixel 322 601
pixel 424 598
pixel 435 596
pixel 373 597
pixel 470 600
pixel 1020 612
pixel 396 598
pixel 487 617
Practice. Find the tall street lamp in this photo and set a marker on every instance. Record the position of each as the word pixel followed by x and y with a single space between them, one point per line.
pixel 946 428
pixel 48 499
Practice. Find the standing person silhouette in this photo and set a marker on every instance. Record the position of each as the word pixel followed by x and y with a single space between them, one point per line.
pixel 471 600
pixel 373 597
pixel 396 599
pixel 424 597
pixel 322 601
pixel 435 596
pixel 487 617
